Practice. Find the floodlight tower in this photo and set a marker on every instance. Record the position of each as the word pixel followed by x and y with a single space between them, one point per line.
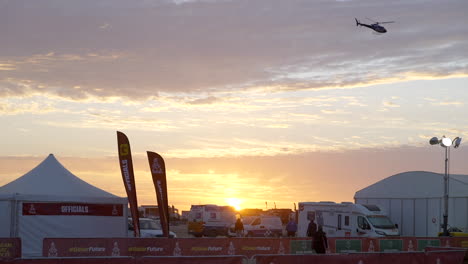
pixel 446 143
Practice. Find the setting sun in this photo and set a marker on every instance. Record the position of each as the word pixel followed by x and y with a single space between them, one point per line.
pixel 234 202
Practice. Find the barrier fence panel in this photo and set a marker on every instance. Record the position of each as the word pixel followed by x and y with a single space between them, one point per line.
pixel 351 258
pixel 10 248
pixel 191 260
pixel 451 256
pixel 316 259
pixel 253 246
pixel 77 260
pixel 94 247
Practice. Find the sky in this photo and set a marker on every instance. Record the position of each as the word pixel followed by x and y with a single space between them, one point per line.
pixel 251 103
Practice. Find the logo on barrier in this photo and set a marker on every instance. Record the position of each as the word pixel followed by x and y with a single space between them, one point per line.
pixel 53 252
pixel 410 246
pixel 281 249
pixel 371 246
pixel 231 249
pixel 177 251
pixel 115 250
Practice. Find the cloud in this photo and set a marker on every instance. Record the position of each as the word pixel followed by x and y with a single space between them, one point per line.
pixel 142 49
pixel 8 107
pixel 390 104
pixel 204 101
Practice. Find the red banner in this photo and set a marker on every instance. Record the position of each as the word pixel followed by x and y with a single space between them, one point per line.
pixel 10 248
pixel 72 209
pixel 126 167
pixel 158 171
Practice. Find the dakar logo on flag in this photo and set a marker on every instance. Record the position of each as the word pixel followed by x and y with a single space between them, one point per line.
pixel 124 149
pixel 156 168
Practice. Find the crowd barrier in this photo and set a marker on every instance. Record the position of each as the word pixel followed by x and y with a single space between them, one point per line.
pixel 107 249
pixel 136 247
pixel 79 247
pixel 132 260
pixel 454 256
pixel 193 260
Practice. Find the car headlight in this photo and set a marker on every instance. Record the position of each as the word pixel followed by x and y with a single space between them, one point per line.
pixel 378 232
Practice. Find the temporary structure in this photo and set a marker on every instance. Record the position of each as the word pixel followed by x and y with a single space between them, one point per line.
pixel 414 201
pixel 49 201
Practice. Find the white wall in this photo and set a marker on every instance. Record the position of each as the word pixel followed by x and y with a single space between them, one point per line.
pixel 458 213
pixel 34 228
pixel 5 218
pixel 420 217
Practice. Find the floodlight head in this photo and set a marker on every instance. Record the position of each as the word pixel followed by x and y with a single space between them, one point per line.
pixel 456 142
pixel 446 142
pixel 434 141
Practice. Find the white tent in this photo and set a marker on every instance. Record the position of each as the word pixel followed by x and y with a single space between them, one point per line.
pixel 414 201
pixel 49 201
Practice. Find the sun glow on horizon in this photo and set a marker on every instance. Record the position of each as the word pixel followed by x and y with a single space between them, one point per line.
pixel 234 202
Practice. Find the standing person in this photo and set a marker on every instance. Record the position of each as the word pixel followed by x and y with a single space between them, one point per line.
pixel 320 242
pixel 239 228
pixel 312 228
pixel 291 228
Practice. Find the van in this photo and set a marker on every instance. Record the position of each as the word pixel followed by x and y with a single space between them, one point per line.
pixel 263 226
pixel 210 220
pixel 148 228
pixel 346 219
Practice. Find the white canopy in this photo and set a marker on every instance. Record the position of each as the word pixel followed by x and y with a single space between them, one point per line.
pixel 415 184
pixel 51 181
pixel 49 201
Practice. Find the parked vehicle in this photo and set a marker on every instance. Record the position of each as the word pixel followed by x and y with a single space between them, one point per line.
pixel 148 228
pixel 210 220
pixel 345 219
pixel 262 226
pixel 454 232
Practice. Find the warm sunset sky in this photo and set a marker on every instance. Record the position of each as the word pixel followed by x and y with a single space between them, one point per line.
pixel 262 101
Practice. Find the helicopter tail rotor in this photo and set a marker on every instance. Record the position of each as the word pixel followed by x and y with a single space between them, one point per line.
pixel 357 22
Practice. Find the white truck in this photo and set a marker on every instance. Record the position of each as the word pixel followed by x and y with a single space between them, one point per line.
pixel 345 219
pixel 210 220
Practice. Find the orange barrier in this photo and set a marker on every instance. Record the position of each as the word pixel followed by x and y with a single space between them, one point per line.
pixel 10 248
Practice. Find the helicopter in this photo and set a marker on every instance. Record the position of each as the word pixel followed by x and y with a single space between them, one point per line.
pixel 376 26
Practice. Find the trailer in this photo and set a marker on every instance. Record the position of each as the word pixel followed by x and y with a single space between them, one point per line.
pixel 345 219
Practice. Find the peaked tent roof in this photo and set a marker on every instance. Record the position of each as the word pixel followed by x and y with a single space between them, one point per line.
pixel 415 184
pixel 50 180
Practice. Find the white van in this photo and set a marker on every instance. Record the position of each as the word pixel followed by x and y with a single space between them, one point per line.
pixel 345 219
pixel 264 226
pixel 148 228
pixel 260 226
pixel 210 220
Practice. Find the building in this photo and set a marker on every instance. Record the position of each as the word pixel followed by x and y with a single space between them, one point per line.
pixel 414 201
